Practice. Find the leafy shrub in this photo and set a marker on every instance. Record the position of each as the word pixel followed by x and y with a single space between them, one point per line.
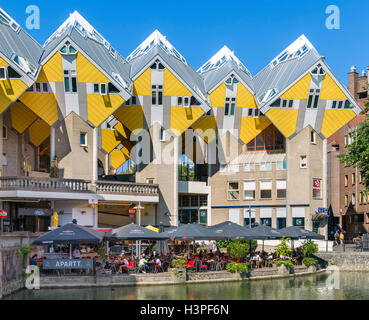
pixel 309 261
pixel 309 248
pixel 240 267
pixel 179 263
pixel 285 262
pixel 24 252
pixel 237 249
pixel 334 262
pixel 283 248
pixel 221 244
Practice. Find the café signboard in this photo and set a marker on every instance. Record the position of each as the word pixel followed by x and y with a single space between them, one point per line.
pixel 68 264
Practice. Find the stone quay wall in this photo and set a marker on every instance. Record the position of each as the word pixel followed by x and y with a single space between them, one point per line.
pixel 347 261
pixel 11 264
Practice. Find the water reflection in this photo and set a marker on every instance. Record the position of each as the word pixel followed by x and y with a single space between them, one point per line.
pixel 345 285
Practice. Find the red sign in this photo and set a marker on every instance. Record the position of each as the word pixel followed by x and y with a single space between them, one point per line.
pixel 3 214
pixel 131 211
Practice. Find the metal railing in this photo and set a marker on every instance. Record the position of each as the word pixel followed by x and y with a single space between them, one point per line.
pixel 127 188
pixel 75 185
pixel 44 184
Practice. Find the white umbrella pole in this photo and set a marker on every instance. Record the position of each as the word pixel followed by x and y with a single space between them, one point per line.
pixel 70 251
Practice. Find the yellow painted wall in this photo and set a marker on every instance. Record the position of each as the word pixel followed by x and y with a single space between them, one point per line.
pixel 251 127
pixel 21 117
pixel 330 90
pixel 285 120
pixel 38 132
pixel 131 117
pixel 122 130
pixel 10 90
pixel 42 104
pixel 203 124
pixel 217 96
pixel 300 90
pixel 100 107
pixel 142 85
pixel 333 120
pixel 3 63
pixel 52 70
pixel 87 72
pixel 109 139
pixel 173 87
pixel 244 97
pixel 181 118
pixel 117 158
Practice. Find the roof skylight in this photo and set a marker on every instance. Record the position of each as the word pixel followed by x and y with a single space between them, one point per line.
pixel 223 55
pixel 156 38
pixel 25 65
pixel 6 19
pixel 85 29
pixel 297 49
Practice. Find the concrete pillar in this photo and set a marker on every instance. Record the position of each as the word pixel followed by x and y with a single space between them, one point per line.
pixel 95 154
pixel 107 164
pixel 288 207
pixel 52 144
pixel 174 219
pixel 325 182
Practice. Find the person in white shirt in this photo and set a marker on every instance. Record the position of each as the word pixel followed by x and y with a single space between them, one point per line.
pixel 76 253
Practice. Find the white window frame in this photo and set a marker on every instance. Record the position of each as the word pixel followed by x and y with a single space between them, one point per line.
pixel 230 101
pixel 248 189
pixel 284 187
pixel 266 189
pixel 313 137
pixel 155 93
pixel 70 75
pixel 80 135
pixel 301 162
pixel 229 190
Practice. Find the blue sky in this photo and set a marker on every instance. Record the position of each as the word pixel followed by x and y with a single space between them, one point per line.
pixel 257 31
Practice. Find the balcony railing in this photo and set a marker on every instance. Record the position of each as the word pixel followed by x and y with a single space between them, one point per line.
pixel 74 185
pixel 127 188
pixel 44 184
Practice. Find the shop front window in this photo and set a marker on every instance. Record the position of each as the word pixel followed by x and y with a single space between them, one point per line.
pixel 298 222
pixel 266 221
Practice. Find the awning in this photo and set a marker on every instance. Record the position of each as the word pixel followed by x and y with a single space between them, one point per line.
pixel 39 212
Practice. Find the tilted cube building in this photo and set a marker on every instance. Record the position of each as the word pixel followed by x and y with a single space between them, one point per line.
pixel 89 134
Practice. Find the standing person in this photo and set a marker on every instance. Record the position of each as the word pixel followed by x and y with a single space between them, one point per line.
pixel 336 238
pixel 342 237
pixel 214 247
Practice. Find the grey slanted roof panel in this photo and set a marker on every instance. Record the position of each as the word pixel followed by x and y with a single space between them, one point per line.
pixel 101 56
pixel 284 74
pixel 185 71
pixel 54 43
pixel 19 43
pixel 213 77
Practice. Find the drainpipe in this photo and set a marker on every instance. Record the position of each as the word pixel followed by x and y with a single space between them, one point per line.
pixel 94 155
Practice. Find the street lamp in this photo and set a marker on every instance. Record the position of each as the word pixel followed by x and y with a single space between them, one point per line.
pixel 138 242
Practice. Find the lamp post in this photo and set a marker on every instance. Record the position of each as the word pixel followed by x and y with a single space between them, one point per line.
pixel 139 223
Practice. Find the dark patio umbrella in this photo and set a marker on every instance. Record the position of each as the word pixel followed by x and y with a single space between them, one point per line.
pixel 265 232
pixel 135 232
pixel 162 245
pixel 190 232
pixel 70 234
pixel 299 233
pixel 231 231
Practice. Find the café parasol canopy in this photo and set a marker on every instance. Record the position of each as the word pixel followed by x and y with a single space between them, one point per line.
pixel 300 233
pixel 70 234
pixel 230 231
pixel 189 232
pixel 135 232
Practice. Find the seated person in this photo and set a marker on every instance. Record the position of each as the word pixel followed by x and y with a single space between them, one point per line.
pixel 142 264
pixel 76 253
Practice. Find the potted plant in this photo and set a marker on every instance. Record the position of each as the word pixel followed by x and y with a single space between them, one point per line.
pixel 178 267
pixel 309 248
pixel 283 262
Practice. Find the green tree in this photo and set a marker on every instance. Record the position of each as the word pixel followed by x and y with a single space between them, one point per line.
pixel 357 153
pixel 283 248
pixel 237 249
pixel 309 248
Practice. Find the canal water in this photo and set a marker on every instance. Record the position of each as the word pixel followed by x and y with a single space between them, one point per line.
pixel 325 286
